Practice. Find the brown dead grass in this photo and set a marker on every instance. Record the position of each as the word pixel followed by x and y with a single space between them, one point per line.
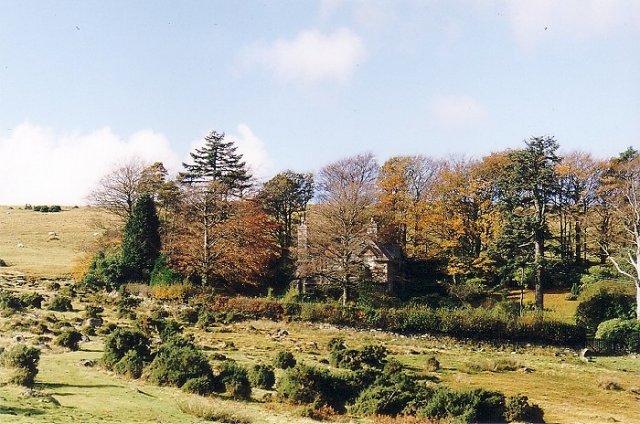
pixel 42 255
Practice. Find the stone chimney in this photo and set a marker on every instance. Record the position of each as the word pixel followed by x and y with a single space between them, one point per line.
pixel 372 230
pixel 303 241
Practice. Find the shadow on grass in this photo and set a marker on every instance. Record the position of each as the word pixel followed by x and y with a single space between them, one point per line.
pixel 13 410
pixel 82 386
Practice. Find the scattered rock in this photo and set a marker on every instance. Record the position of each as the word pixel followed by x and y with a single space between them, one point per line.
pixel 280 334
pixel 19 245
pixel 324 361
pixel 586 354
pixel 19 338
pixel 218 357
pixel 92 322
pixel 87 363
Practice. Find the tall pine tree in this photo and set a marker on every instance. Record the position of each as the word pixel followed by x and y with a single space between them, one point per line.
pixel 141 240
pixel 217 174
pixel 217 161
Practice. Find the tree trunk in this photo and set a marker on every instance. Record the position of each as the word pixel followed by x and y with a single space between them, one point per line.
pixel 345 295
pixel 638 299
pixel 205 250
pixel 539 268
pixel 578 242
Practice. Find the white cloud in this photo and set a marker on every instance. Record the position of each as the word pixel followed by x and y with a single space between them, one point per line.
pixel 311 56
pixel 458 111
pixel 536 21
pixel 39 166
pixel 252 148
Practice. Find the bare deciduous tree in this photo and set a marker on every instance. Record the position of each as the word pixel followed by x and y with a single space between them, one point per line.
pixel 339 223
pixel 117 191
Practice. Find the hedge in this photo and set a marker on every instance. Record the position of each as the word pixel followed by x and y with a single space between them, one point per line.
pixel 475 323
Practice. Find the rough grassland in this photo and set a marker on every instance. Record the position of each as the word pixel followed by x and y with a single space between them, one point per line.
pixel 43 255
pixel 569 390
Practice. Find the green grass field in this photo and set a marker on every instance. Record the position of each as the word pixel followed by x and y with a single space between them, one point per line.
pixel 567 388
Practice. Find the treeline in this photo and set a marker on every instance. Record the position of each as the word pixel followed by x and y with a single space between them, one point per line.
pixel 520 217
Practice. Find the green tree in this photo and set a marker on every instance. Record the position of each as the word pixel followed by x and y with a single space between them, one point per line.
pixel 217 161
pixel 527 187
pixel 283 197
pixel 141 240
pixel 218 174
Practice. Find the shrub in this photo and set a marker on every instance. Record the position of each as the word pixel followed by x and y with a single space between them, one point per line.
pixel 9 302
pixel 284 360
pixel 131 365
pixel 477 405
pixel 518 409
pixel 608 383
pixel 199 386
pixel 433 364
pixel 123 340
pixel 55 208
pixel 163 274
pixel 24 359
pixel 32 299
pixel 603 306
pixel 625 333
pixel 314 386
pixel 188 315
pixel 235 379
pixel 353 359
pixel 177 361
pixel 60 304
pixel 336 343
pixel 390 394
pixel 168 328
pixel 173 292
pixel 69 339
pixel 262 376
pixel 105 271
pixel 126 306
pixel 93 311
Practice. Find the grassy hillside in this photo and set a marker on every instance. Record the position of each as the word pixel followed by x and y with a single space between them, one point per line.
pixel 567 388
pixel 27 246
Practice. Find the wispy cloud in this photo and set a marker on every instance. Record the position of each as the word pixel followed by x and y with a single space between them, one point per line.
pixel 311 56
pixel 458 111
pixel 39 166
pixel 537 21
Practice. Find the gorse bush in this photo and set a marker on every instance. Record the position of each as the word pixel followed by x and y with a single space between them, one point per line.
pixel 60 304
pixel 122 341
pixel 93 311
pixel 477 405
pixel 130 365
pixel 518 409
pixel 24 360
pixel 32 299
pixel 69 339
pixel 105 271
pixel 235 380
pixel 162 274
pixel 355 359
pixel 304 384
pixel 177 361
pixel 284 360
pixel 262 376
pixel 9 302
pixel 199 386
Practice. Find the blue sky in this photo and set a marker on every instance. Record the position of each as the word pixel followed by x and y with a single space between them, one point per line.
pixel 298 84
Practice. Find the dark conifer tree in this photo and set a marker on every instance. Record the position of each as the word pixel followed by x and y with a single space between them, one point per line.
pixel 217 161
pixel 141 240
